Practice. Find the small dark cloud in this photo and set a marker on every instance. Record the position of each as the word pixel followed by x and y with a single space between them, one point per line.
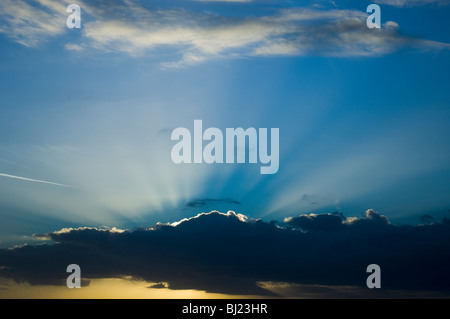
pixel 206 201
pixel 307 197
pixel 159 285
pixel 230 253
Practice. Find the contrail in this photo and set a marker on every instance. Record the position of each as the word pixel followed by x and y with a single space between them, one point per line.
pixel 33 180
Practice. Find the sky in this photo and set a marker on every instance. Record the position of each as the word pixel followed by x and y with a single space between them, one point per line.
pixel 87 116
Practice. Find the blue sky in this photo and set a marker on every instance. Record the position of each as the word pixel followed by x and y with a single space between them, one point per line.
pixel 363 113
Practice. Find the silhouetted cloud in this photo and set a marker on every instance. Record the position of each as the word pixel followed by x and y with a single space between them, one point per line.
pixel 317 222
pixel 231 253
pixel 159 285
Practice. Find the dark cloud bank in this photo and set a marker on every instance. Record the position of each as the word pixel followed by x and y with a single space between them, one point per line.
pixel 230 253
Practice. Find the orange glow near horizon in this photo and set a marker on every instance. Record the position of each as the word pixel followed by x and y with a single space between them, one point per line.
pixel 109 288
pixel 126 288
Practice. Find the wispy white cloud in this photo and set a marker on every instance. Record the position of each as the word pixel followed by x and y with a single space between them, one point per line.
pixel 412 3
pixel 73 47
pixel 196 37
pixel 30 22
pixel 200 37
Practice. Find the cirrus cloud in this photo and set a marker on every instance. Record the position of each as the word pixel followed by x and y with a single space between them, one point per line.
pixel 412 3
pixel 179 37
